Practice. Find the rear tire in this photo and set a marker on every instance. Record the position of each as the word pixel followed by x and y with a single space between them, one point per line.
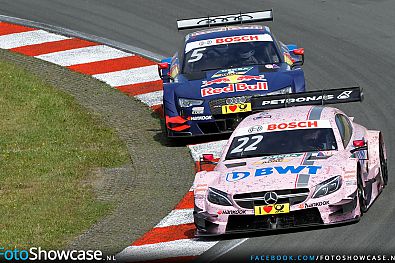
pixel 363 206
pixel 383 165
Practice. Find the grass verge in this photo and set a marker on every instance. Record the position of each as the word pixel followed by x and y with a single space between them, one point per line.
pixel 48 147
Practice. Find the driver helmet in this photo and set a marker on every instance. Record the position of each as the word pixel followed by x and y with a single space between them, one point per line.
pixel 247 51
pixel 314 139
pixel 311 135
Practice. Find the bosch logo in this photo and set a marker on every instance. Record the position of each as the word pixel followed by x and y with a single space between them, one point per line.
pixel 256 128
pixel 270 198
pixel 235 100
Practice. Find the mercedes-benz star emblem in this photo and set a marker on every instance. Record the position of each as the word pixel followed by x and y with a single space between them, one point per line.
pixel 270 198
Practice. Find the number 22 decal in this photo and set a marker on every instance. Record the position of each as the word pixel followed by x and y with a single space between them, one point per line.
pixel 244 141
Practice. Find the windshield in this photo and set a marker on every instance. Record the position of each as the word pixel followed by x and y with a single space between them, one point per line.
pixel 230 56
pixel 282 142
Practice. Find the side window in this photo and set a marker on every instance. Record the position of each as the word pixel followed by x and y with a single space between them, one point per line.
pixel 345 128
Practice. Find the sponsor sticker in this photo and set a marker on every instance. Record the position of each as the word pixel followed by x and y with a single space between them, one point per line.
pixel 238 87
pixel 236 108
pixel 351 182
pixel 199 197
pixel 300 99
pixel 255 128
pixel 197 110
pixel 271 209
pixel 232 212
pixel 292 125
pixel 288 59
pixel 344 95
pixel 232 79
pixel 291 169
pixel 232 71
pixel 201 188
pixel 317 204
pixel 272 66
pixel 174 70
pixel 201 118
pixel 278 158
pixel 350 175
pixel 235 100
pixel 262 115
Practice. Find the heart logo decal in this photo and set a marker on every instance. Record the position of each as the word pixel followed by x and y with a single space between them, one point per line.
pixel 268 208
pixel 233 108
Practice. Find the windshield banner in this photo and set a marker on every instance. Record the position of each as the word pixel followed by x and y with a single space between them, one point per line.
pixel 284 126
pixel 226 40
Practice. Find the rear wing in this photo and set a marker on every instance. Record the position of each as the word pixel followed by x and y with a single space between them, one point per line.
pixel 240 18
pixel 321 97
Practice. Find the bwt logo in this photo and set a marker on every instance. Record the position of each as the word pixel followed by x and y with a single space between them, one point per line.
pixel 309 169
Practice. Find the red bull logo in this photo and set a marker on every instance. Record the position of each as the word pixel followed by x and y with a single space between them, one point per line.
pixel 233 79
pixel 234 88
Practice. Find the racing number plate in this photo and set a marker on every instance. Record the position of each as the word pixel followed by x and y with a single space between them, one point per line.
pixel 236 108
pixel 271 209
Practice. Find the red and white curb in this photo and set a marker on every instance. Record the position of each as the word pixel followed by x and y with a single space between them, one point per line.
pixel 125 71
pixel 172 238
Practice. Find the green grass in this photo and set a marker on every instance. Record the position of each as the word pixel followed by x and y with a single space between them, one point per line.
pixel 48 146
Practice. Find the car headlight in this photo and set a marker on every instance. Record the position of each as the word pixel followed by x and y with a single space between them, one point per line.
pixel 185 103
pixel 281 91
pixel 218 197
pixel 328 186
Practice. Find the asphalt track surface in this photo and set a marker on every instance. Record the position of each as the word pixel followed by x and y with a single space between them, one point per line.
pixel 347 42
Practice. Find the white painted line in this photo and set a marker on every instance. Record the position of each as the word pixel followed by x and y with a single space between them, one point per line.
pixel 28 38
pixel 177 217
pixel 227 249
pixel 216 148
pixel 83 55
pixel 152 98
pixel 130 76
pixel 177 248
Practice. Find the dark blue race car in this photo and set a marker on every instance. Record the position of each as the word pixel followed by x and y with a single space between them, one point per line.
pixel 208 85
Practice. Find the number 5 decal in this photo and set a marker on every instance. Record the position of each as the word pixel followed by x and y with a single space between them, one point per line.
pixel 196 55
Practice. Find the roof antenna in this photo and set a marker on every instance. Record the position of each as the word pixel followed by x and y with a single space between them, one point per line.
pixel 226 25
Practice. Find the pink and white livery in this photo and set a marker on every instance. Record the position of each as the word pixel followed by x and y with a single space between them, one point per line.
pixel 292 167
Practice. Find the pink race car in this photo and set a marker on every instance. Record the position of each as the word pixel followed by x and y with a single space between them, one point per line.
pixel 292 167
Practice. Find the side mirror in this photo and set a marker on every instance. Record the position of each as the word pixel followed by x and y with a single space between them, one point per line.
pixel 208 157
pixel 163 65
pixel 164 70
pixel 298 52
